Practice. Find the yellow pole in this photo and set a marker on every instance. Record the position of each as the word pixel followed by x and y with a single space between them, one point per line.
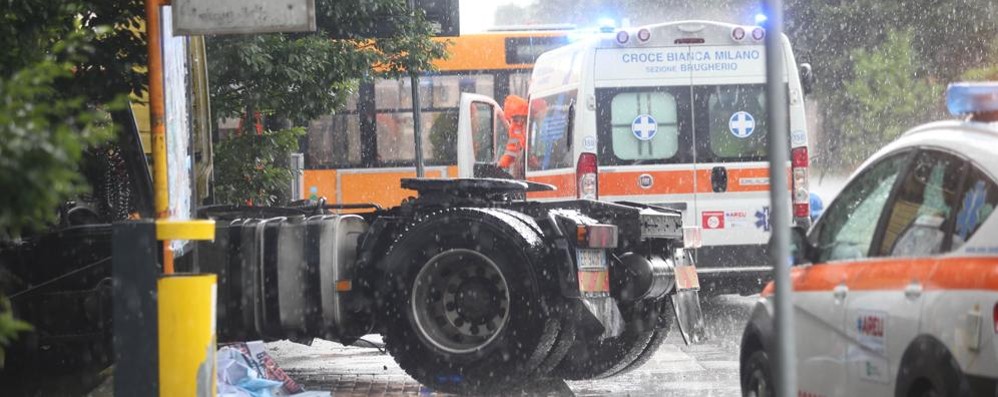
pixel 161 198
pixel 187 335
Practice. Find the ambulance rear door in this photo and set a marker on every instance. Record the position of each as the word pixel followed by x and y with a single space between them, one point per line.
pixel 645 127
pixel 728 83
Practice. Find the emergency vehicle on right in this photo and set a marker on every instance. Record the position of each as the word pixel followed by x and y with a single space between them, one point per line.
pixel 896 283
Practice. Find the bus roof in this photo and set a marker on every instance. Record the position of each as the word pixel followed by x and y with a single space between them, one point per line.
pixel 499 50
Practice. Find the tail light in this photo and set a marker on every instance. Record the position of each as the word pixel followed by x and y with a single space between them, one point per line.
pixel 587 177
pixel 798 169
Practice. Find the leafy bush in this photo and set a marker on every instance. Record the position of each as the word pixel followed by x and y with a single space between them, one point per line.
pixel 254 169
pixel 42 136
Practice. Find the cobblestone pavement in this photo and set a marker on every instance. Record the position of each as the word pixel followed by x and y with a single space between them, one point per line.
pixel 710 369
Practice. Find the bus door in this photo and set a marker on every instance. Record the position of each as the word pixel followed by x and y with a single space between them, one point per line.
pixel 481 138
pixel 730 144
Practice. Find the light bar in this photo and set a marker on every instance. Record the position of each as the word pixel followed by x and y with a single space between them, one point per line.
pixel 972 98
pixel 644 35
pixel 623 37
pixel 758 34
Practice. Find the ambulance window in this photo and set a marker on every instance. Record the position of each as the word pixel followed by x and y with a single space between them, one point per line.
pixel 644 125
pixel 921 210
pixel 846 230
pixel 736 122
pixel 550 141
pixel 976 202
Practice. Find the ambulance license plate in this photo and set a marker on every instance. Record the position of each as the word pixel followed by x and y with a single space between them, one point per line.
pixel 593 259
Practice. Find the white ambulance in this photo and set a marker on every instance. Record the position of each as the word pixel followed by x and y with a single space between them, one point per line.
pixel 896 285
pixel 672 114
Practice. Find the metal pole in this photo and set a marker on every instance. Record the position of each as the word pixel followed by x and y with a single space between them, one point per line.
pixel 777 104
pixel 157 121
pixel 417 130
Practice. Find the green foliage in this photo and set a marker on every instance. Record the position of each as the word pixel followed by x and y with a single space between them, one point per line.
pixel 62 61
pixel 987 73
pixel 9 327
pixel 108 58
pixel 42 135
pixel 887 97
pixel 945 38
pixel 254 168
pixel 300 77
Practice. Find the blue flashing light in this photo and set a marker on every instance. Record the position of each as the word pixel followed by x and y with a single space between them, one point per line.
pixel 760 18
pixel 970 98
pixel 606 24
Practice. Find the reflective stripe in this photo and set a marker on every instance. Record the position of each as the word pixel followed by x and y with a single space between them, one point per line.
pixel 890 274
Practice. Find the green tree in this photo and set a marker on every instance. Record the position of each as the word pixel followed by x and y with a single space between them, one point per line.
pixel 64 62
pixel 299 77
pixel 293 78
pixel 888 95
pixel 252 169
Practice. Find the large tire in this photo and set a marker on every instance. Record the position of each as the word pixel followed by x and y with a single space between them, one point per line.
pixel 591 358
pixel 465 311
pixel 757 376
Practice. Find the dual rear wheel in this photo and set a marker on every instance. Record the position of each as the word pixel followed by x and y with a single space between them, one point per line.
pixel 468 311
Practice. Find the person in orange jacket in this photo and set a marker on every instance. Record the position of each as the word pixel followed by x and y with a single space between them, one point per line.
pixel 515 110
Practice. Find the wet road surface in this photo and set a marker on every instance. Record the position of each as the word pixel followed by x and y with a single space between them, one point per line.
pixel 710 369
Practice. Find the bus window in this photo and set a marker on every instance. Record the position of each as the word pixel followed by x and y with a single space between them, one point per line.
pixel 736 122
pixel 550 140
pixel 334 141
pixel 439 98
pixel 644 125
pixel 519 83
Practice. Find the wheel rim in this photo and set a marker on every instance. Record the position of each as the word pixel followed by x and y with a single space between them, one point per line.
pixel 460 301
pixel 758 386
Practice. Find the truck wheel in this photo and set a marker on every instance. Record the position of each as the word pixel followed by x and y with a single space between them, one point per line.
pixel 591 358
pixel 465 311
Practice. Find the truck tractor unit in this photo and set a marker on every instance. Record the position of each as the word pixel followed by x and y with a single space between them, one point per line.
pixel 472 288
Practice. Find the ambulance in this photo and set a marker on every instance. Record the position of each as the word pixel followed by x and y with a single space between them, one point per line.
pixel 896 284
pixel 673 115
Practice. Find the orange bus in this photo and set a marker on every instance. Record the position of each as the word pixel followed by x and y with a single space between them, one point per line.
pixel 359 154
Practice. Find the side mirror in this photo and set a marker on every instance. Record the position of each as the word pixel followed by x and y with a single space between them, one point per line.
pixel 801 250
pixel 806 78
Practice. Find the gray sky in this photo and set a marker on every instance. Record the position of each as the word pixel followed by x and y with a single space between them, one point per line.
pixel 478 15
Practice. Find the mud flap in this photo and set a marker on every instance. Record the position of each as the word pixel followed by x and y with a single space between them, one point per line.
pixel 686 304
pixel 604 310
pixel 689 316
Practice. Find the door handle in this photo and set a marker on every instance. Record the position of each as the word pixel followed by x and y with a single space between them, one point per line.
pixel 840 291
pixel 913 290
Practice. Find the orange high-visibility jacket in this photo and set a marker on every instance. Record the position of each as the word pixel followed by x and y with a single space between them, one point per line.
pixel 514 106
